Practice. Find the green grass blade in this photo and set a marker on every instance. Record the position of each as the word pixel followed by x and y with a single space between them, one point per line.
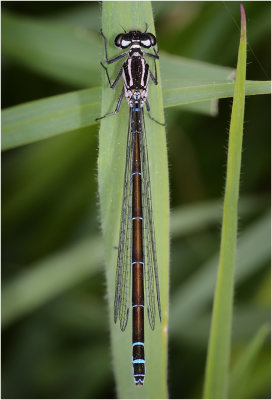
pixel 41 119
pixel 259 382
pixel 203 107
pixel 50 277
pixel 174 95
pixel 62 52
pixel 197 292
pixel 190 218
pixel 111 163
pixel 181 68
pixel 216 377
pixel 245 322
pixel 244 366
pixel 85 14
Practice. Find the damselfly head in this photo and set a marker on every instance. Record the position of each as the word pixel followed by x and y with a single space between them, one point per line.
pixel 145 39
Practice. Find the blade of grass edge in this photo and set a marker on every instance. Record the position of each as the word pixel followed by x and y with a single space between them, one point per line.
pixel 111 163
pixel 41 119
pixel 49 278
pixel 217 367
pixel 244 365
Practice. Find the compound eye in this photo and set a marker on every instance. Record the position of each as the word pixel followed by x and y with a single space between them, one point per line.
pixel 148 40
pixel 118 40
pixel 122 41
pixel 152 39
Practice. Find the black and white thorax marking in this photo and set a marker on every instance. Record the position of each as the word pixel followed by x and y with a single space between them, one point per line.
pixel 136 75
pixel 135 70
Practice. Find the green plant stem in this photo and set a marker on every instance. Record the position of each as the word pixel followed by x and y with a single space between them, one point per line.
pixel 216 378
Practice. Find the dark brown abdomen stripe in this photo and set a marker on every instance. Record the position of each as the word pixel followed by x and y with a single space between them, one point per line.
pixel 138 357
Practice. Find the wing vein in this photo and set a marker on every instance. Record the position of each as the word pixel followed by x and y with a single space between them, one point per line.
pixel 150 257
pixel 123 270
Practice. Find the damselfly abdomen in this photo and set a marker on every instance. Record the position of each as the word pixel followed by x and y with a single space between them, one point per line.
pixel 137 260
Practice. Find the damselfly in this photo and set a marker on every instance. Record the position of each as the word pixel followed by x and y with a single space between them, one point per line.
pixel 137 260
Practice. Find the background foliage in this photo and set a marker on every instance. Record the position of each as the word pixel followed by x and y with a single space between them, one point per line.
pixel 56 342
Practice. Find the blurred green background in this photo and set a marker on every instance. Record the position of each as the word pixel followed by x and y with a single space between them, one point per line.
pixel 58 346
